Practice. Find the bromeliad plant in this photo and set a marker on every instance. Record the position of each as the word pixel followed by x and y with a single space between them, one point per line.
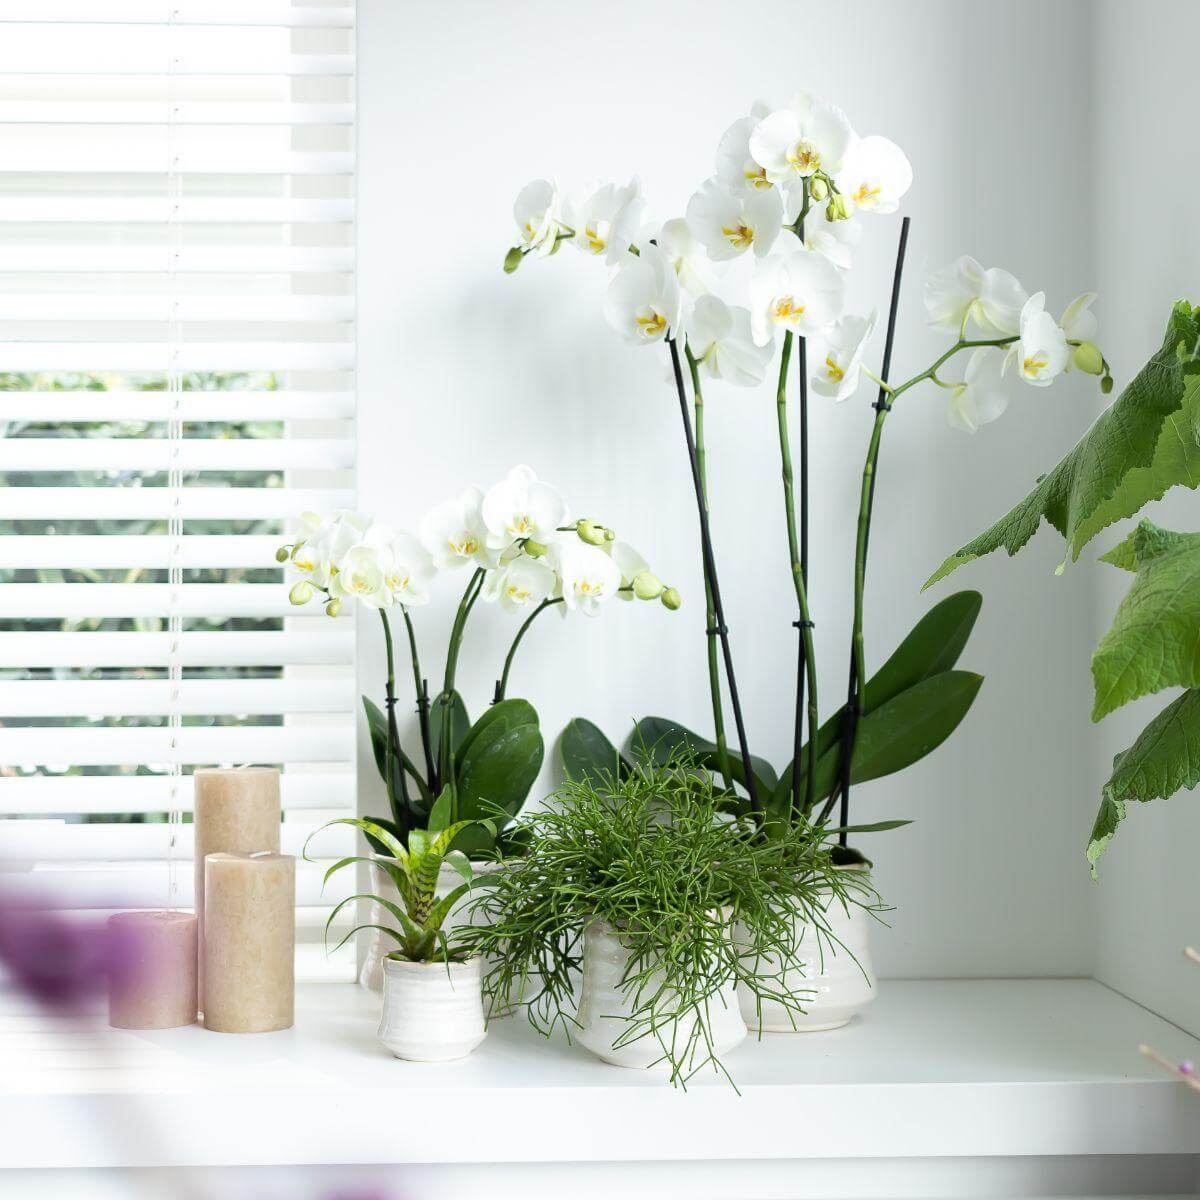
pixel 1146 443
pixel 788 194
pixel 524 553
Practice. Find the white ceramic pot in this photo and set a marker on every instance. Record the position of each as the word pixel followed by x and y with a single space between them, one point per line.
pixel 432 1012
pixel 832 977
pixel 604 1008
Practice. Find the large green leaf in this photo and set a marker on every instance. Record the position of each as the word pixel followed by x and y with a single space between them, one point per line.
pixel 460 722
pixel 1164 758
pixel 508 714
pixel 1153 641
pixel 1139 447
pixel 660 739
pixel 494 780
pixel 588 755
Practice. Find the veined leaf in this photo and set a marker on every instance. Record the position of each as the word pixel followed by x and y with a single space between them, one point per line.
pixel 1143 444
pixel 495 775
pixel 1152 643
pixel 508 714
pixel 1164 758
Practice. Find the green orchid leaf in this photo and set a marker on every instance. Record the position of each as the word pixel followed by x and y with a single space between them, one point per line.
pixel 874 827
pixel 460 723
pixel 377 727
pixel 1164 759
pixel 1152 643
pixel 1142 445
pixel 495 776
pixel 508 714
pixel 659 740
pixel 587 754
pixel 847 856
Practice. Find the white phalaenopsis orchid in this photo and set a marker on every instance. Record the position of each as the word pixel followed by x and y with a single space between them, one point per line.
pixel 537 214
pixel 720 339
pixel 736 167
pixel 604 221
pixel 643 303
pixel 359 575
pixel 731 222
pixel 521 583
pixel 1042 353
pixel 522 506
pixel 630 564
pixel 1078 321
pixel 981 397
pixel 455 535
pixel 840 372
pixel 836 240
pixel 808 136
pixel 992 298
pixel 802 292
pixel 588 575
pixel 875 175
pixel 407 566
pixel 683 251
pixel 323 542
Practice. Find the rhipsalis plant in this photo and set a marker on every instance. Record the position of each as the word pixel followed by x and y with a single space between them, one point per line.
pixel 790 192
pixel 520 550
pixel 1144 444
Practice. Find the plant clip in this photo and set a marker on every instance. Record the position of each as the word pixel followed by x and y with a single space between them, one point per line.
pixel 804 624
pixel 882 406
pixel 717 630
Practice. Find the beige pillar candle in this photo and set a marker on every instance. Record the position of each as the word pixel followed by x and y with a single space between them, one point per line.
pixel 249 942
pixel 152 970
pixel 236 812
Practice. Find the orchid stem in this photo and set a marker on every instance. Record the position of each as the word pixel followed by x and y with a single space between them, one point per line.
pixel 502 682
pixel 422 688
pixel 470 595
pixel 401 812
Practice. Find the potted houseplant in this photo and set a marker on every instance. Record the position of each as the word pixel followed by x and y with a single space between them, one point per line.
pixel 432 998
pixel 668 906
pixel 791 188
pixel 1143 445
pixel 523 552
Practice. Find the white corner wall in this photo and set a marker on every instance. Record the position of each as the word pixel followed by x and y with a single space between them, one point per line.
pixel 464 372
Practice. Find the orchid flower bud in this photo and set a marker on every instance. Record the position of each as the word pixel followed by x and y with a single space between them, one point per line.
pixel 301 593
pixel 1106 384
pixel 671 599
pixel 818 189
pixel 839 208
pixel 334 607
pixel 512 260
pixel 591 533
pixel 1087 357
pixel 534 549
pixel 283 554
pixel 647 586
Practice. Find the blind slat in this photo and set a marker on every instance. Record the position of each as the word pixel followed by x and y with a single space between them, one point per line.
pixel 180 12
pixel 68 60
pixel 299 790
pixel 84 601
pixel 222 744
pixel 195 503
pixel 216 649
pixel 191 406
pixel 160 356
pixel 194 454
pixel 46 209
pixel 161 260
pixel 153 551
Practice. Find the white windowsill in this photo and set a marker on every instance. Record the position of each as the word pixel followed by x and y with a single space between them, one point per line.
pixel 934 1069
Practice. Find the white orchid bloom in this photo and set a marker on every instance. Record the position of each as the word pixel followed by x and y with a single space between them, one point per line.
pixel 802 292
pixel 537 214
pixel 1078 321
pixel 407 566
pixel 839 375
pixel 736 167
pixel 455 535
pixel 875 175
pixel 993 298
pixel 719 337
pixel 588 576
pixel 359 575
pixel 981 397
pixel 521 583
pixel 629 562
pixel 604 221
pixel 643 303
pixel 794 143
pixel 837 240
pixel 325 540
pixel 522 506
pixel 1042 353
pixel 686 255
pixel 731 222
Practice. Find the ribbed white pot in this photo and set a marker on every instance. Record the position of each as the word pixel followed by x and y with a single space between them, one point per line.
pixel 604 1008
pixel 831 978
pixel 432 1012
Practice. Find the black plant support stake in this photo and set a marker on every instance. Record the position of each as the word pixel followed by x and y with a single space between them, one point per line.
pixel 801 662
pixel 710 573
pixel 882 405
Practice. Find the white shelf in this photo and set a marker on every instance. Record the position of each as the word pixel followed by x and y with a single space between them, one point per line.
pixel 938 1069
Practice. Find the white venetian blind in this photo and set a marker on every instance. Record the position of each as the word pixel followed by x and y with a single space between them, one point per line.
pixel 176 387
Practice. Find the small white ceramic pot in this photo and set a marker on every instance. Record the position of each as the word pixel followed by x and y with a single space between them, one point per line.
pixel 831 978
pixel 432 1012
pixel 604 1009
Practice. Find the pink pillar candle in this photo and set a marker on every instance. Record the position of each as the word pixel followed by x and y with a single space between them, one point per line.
pixel 152 970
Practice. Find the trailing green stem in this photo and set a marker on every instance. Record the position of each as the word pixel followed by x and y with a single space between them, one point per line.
pixel 502 682
pixel 710 616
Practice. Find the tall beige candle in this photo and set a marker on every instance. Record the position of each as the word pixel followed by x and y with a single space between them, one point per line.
pixel 249 942
pixel 236 812
pixel 152 970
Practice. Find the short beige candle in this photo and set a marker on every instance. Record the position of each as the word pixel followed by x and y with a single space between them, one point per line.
pixel 249 942
pixel 152 970
pixel 236 812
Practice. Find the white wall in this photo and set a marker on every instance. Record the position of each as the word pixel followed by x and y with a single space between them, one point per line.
pixel 465 372
pixel 1145 85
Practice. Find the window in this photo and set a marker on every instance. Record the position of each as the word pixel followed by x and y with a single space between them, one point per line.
pixel 176 383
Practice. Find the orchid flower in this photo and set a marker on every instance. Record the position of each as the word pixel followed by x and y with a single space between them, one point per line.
pixel 588 575
pixel 324 541
pixel 980 398
pixel 731 222
pixel 407 566
pixel 522 506
pixel 836 240
pixel 802 292
pixel 736 167
pixel 875 175
pixel 643 303
pixel 808 136
pixel 1078 321
pixel 993 298
pixel 839 375
pixel 359 575
pixel 455 535
pixel 537 214
pixel 720 339
pixel 686 255
pixel 1041 354
pixel 522 583
pixel 604 222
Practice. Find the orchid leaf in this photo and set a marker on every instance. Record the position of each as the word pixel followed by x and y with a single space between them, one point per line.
pixel 660 739
pixel 588 754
